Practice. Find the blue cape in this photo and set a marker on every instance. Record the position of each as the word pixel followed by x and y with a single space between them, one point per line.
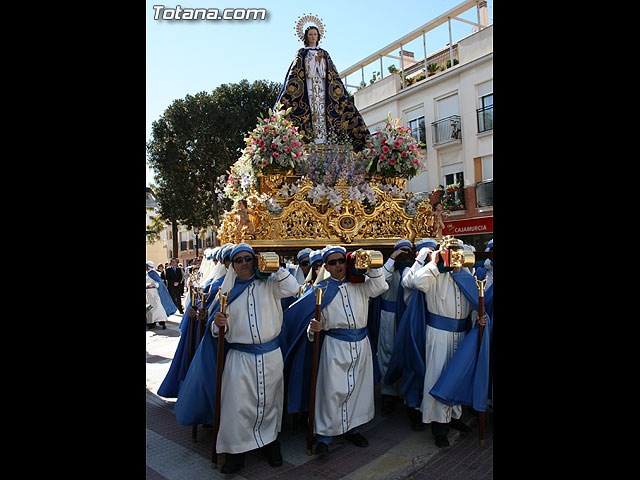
pixel 375 307
pixel 297 350
pixel 168 305
pixel 464 380
pixel 195 403
pixel 172 382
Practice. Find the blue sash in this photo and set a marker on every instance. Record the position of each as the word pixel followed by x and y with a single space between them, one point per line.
pixel 447 323
pixel 388 305
pixel 348 334
pixel 257 348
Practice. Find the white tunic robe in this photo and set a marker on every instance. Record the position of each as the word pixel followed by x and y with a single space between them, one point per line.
pixel 157 313
pixel 252 385
pixel 443 297
pixel 344 391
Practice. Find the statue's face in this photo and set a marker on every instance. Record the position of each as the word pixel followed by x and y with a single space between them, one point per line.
pixel 312 37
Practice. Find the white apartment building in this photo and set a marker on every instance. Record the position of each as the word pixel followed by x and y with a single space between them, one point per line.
pixel 450 111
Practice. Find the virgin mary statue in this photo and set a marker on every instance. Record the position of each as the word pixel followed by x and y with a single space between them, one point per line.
pixel 320 104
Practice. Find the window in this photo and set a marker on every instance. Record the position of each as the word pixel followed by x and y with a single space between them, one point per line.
pixel 485 106
pixel 452 175
pixel 418 131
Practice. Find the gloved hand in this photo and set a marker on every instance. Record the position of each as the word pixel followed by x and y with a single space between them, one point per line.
pixel 422 255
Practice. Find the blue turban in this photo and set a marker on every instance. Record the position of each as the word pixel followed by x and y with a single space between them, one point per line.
pixel 241 247
pixel 403 243
pixel 329 249
pixel 426 242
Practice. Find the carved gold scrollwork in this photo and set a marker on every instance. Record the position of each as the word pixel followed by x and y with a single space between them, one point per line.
pixel 349 222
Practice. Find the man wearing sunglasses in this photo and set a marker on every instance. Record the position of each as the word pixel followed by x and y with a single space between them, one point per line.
pixel 252 381
pixel 304 265
pixel 344 389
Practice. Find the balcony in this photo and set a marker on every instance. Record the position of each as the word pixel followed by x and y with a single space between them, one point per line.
pixel 485 119
pixel 446 131
pixel 484 193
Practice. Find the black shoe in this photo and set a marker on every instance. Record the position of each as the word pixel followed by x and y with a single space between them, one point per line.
pixel 322 448
pixel 416 419
pixel 357 439
pixel 442 441
pixel 388 405
pixel 459 425
pixel 233 462
pixel 151 325
pixel 163 325
pixel 272 452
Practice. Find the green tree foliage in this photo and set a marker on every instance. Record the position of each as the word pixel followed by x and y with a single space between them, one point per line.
pixel 195 141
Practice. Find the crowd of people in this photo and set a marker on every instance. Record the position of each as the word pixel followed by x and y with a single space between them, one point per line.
pixel 400 324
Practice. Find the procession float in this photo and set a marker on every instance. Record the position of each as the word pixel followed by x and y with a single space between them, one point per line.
pixel 289 194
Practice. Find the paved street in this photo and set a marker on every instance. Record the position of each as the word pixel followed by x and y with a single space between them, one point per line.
pixel 395 451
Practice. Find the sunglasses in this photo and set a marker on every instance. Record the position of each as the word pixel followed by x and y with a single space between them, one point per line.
pixel 304 263
pixel 336 260
pixel 239 260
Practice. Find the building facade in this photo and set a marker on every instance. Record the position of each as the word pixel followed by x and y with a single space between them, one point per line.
pixel 450 110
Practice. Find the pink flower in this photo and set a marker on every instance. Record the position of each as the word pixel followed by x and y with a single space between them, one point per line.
pixel 266 128
pixel 408 130
pixel 384 141
pixel 415 162
pixel 264 164
pixel 379 135
pixel 412 147
pixel 261 142
pixel 287 150
pixel 385 149
pixel 276 155
pixel 401 129
pixel 372 152
pixel 274 146
pixel 403 153
pixel 396 144
pixel 392 161
pixel 383 157
pixel 263 149
pixel 294 144
pixel 285 138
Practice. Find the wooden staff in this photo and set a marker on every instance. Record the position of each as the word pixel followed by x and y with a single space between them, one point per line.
pixel 216 410
pixel 201 325
pixel 481 284
pixel 314 373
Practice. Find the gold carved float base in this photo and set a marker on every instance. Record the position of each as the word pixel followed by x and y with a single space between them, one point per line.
pixel 351 223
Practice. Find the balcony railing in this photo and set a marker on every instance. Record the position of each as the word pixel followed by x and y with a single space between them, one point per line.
pixel 485 119
pixel 446 130
pixel 484 193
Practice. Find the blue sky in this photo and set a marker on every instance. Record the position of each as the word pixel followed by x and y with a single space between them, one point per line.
pixel 186 57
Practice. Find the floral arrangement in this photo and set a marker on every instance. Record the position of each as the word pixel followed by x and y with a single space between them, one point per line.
pixel 453 198
pixel 241 178
pixel 334 161
pixel 393 152
pixel 411 203
pixel 362 193
pixel 275 143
